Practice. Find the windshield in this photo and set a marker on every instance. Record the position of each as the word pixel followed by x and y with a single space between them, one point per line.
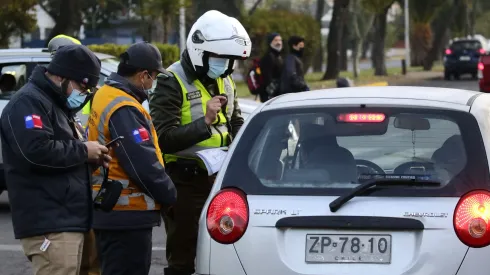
pixel 466 45
pixel 332 151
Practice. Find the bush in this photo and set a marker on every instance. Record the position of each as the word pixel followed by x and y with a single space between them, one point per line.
pixel 170 53
pixel 286 23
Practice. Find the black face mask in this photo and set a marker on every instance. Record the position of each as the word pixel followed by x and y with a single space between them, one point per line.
pixel 299 52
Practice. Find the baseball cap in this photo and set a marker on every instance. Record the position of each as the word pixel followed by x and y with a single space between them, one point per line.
pixel 77 63
pixel 143 55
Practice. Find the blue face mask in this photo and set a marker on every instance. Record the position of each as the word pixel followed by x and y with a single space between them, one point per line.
pixel 76 98
pixel 217 67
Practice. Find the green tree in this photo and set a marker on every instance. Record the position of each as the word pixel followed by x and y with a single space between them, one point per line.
pixel 361 23
pixel 15 19
pixel 164 12
pixel 422 12
pixel 380 9
pixel 334 44
pixel 68 14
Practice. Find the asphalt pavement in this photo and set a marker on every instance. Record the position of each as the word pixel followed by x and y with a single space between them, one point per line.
pixel 13 261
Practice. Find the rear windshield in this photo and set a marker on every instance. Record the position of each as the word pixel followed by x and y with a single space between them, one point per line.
pixel 330 151
pixel 466 45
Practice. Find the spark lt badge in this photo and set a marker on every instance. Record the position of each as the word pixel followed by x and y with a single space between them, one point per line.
pixel 425 215
pixel 276 212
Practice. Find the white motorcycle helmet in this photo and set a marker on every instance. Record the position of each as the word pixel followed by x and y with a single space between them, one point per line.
pixel 218 34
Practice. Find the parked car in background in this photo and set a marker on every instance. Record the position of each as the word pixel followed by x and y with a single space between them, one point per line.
pixel 381 180
pixel 462 57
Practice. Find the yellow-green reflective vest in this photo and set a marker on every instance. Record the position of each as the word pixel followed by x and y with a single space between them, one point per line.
pixel 194 99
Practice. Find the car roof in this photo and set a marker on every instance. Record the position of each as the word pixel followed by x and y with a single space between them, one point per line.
pixel 389 95
pixel 39 52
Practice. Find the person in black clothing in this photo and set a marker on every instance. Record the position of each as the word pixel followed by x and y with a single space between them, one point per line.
pixel 48 164
pixel 7 84
pixel 271 67
pixel 292 78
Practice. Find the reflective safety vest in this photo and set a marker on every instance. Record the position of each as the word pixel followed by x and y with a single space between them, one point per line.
pixel 194 99
pixel 105 102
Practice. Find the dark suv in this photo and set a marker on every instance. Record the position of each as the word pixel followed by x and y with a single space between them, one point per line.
pixel 462 58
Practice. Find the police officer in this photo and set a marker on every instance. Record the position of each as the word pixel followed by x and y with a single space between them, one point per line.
pixel 61 40
pixel 47 163
pixel 91 262
pixel 196 108
pixel 124 235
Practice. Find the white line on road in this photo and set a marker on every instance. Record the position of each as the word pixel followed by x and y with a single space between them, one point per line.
pixel 17 247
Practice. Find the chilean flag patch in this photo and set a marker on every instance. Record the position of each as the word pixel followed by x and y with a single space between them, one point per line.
pixel 33 121
pixel 141 135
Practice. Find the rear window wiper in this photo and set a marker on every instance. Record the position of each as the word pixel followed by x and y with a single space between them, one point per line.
pixel 337 203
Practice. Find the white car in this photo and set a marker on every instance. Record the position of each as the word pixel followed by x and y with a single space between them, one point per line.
pixel 381 180
pixel 247 106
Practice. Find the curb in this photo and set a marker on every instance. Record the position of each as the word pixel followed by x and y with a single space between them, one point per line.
pixel 382 83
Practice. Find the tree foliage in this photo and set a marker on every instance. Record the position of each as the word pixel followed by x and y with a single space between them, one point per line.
pixel 16 17
pixel 422 12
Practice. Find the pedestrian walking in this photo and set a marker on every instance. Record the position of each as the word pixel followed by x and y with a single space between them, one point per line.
pixel 48 164
pixel 136 176
pixel 194 108
pixel 271 65
pixel 292 77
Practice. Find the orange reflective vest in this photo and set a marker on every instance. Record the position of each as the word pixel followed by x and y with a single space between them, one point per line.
pixel 105 102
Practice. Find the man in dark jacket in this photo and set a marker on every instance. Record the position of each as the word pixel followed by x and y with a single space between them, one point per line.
pixel 292 78
pixel 271 67
pixel 48 165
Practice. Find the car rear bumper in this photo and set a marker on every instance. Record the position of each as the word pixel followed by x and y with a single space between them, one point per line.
pixel 461 67
pixel 484 85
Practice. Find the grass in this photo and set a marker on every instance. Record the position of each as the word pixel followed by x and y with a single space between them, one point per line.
pixel 315 81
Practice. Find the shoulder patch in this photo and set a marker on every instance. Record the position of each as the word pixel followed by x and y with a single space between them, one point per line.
pixel 141 134
pixel 33 121
pixel 194 95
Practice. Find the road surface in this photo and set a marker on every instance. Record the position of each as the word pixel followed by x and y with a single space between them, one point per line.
pixel 13 262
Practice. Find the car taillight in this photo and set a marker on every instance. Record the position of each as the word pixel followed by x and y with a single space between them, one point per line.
pixel 481 66
pixel 482 51
pixel 448 51
pixel 227 216
pixel 472 218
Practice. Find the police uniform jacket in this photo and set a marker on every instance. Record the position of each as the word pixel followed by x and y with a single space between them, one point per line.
pixel 166 110
pixel 136 156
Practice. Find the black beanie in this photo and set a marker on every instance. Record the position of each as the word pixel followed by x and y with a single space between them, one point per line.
pixel 77 63
pixel 271 37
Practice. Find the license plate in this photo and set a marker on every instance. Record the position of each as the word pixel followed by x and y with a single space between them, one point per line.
pixel 335 248
pixel 464 58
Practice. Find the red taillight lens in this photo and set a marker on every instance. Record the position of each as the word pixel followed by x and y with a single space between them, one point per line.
pixel 482 51
pixel 448 51
pixel 481 66
pixel 227 216
pixel 472 218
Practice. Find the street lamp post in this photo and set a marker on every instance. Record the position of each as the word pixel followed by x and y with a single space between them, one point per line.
pixel 407 34
pixel 182 25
